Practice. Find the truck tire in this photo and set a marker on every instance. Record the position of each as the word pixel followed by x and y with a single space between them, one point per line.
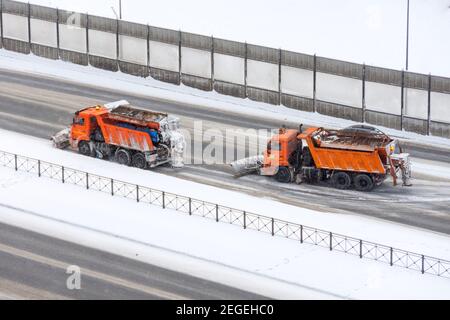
pixel 283 175
pixel 138 161
pixel 363 182
pixel 84 148
pixel 341 180
pixel 123 157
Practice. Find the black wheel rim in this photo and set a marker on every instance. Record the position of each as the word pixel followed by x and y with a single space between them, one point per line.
pixel 84 149
pixel 139 162
pixel 122 158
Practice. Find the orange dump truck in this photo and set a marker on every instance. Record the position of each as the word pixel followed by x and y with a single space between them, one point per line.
pixel 359 156
pixel 131 136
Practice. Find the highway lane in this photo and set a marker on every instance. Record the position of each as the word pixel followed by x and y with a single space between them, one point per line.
pixel 33 266
pixel 40 106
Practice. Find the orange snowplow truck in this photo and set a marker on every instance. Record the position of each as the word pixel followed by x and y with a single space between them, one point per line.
pixel 359 156
pixel 130 136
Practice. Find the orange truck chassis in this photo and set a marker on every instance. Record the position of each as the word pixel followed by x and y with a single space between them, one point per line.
pixel 128 135
pixel 359 156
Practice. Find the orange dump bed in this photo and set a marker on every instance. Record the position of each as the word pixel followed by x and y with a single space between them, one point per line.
pixel 348 160
pixel 345 151
pixel 132 139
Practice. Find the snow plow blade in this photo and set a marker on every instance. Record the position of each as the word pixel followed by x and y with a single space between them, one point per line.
pixel 246 166
pixel 61 139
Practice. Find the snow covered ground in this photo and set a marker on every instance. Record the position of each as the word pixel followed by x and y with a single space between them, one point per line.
pixel 371 229
pixel 370 31
pixel 183 94
pixel 219 252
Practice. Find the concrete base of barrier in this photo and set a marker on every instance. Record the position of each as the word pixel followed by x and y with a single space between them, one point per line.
pixel 165 76
pixel 415 125
pixel 339 111
pixel 103 63
pixel 229 89
pixel 440 129
pixel 262 95
pixel 16 45
pixel 383 119
pixel 44 51
pixel 298 103
pixel 134 69
pixel 196 82
pixel 74 57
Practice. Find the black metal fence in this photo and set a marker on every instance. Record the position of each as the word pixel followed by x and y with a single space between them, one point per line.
pixel 246 220
pixel 420 102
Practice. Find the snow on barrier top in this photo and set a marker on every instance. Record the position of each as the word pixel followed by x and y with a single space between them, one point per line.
pixel 246 220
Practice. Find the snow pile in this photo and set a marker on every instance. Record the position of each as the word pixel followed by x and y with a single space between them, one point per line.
pixel 305 271
pixel 362 227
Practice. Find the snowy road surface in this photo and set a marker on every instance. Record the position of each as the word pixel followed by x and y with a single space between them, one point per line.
pixel 33 266
pixel 39 106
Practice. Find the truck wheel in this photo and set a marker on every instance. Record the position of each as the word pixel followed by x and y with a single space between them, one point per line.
pixel 84 148
pixel 341 180
pixel 363 182
pixel 283 175
pixel 123 157
pixel 139 161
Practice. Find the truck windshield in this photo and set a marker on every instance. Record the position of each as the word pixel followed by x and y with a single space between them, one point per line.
pixel 78 121
pixel 275 145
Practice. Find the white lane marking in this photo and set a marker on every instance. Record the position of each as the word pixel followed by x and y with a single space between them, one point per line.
pixel 91 273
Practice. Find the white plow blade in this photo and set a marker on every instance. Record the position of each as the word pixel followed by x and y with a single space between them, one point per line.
pixel 247 165
pixel 61 139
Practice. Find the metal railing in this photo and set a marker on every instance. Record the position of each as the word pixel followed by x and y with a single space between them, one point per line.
pixel 219 213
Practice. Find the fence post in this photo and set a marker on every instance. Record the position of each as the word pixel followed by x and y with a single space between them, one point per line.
pixel 117 45
pixel 87 38
pixel 112 187
pixel 15 162
pixel 29 25
pixel 1 22
pixel 57 32
pixel 148 49
pixel 402 105
pixel 429 105
pixel 163 200
pixel 279 76
pixel 137 193
pixel 391 257
pixel 245 220
pixel 360 249
pixel 246 69
pixel 217 213
pixel 212 63
pixel 87 181
pixel 62 174
pixel 39 168
pixel 273 227
pixel 301 233
pixel 314 82
pixel 363 107
pixel 423 264
pixel 179 57
pixel 331 241
pixel 190 206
